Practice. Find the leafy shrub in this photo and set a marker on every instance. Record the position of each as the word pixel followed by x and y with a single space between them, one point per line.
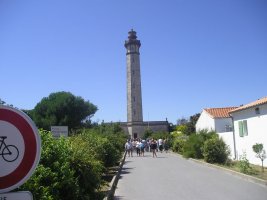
pixel 193 147
pixel 244 165
pixel 54 178
pixel 113 132
pixel 117 140
pixel 215 150
pixel 88 169
pixel 260 153
pixel 157 135
pixel 148 133
pixel 72 168
pixel 100 148
pixel 183 128
pixel 178 141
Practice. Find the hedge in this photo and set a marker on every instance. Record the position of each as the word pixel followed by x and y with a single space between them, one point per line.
pixel 72 168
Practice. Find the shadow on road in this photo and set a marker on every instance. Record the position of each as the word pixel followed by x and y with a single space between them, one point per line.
pixel 161 157
pixel 118 198
pixel 125 170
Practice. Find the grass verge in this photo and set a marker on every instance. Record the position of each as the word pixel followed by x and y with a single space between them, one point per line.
pixel 255 170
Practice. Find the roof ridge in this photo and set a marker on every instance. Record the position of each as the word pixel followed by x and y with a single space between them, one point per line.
pixel 222 107
pixel 257 102
pixel 222 112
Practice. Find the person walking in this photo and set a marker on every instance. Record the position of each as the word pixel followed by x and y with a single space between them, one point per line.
pixel 142 147
pixel 160 141
pixel 129 148
pixel 134 144
pixel 153 147
pixel 138 147
pixel 166 145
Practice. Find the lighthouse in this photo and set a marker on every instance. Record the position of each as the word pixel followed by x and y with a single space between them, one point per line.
pixel 135 126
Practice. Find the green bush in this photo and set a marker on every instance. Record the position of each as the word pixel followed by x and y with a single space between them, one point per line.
pixel 160 135
pixel 54 178
pixel 93 151
pixel 244 165
pixel 117 140
pixel 178 144
pixel 193 147
pixel 88 169
pixel 215 150
pixel 72 168
pixel 101 148
pixel 148 133
pixel 260 153
pixel 113 132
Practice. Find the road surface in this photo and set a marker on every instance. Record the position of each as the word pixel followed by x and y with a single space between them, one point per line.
pixel 171 177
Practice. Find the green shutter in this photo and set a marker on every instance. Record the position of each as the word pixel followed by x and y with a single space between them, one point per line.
pixel 240 125
pixel 245 128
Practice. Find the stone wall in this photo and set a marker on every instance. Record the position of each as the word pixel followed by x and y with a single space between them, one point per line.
pixel 137 129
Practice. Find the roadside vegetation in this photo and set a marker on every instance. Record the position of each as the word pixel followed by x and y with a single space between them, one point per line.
pixel 80 166
pixel 209 147
pixel 74 167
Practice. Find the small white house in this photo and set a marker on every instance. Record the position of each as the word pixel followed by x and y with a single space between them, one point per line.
pixel 219 120
pixel 250 127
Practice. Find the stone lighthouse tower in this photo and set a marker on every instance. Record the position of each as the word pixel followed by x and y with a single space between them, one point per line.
pixel 134 94
pixel 135 127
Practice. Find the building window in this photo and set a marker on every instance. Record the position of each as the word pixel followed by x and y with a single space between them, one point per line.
pixel 257 110
pixel 134 99
pixel 228 128
pixel 243 128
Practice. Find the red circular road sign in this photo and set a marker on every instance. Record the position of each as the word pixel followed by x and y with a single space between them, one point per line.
pixel 20 148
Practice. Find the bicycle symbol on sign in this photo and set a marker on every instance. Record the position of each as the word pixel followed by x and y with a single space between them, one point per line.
pixel 10 153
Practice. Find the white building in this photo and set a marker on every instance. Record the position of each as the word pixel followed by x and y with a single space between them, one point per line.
pixel 250 127
pixel 219 120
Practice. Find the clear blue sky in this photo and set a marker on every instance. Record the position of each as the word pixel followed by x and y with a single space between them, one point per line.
pixel 195 53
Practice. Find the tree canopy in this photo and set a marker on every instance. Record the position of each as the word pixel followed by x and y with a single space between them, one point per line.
pixel 187 127
pixel 2 102
pixel 62 109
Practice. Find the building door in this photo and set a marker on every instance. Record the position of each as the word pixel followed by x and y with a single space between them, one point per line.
pixel 135 135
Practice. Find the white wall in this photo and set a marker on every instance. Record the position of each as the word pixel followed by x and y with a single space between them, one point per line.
pixel 229 141
pixel 205 121
pixel 257 132
pixel 228 137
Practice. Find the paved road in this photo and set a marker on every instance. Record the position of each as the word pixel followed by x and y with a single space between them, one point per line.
pixel 171 177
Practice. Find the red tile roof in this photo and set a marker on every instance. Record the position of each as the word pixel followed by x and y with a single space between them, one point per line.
pixel 219 112
pixel 252 104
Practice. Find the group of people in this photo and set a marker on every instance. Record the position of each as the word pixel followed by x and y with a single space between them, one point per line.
pixel 148 145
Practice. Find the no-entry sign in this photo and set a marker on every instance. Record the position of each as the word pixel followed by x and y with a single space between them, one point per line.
pixel 20 148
